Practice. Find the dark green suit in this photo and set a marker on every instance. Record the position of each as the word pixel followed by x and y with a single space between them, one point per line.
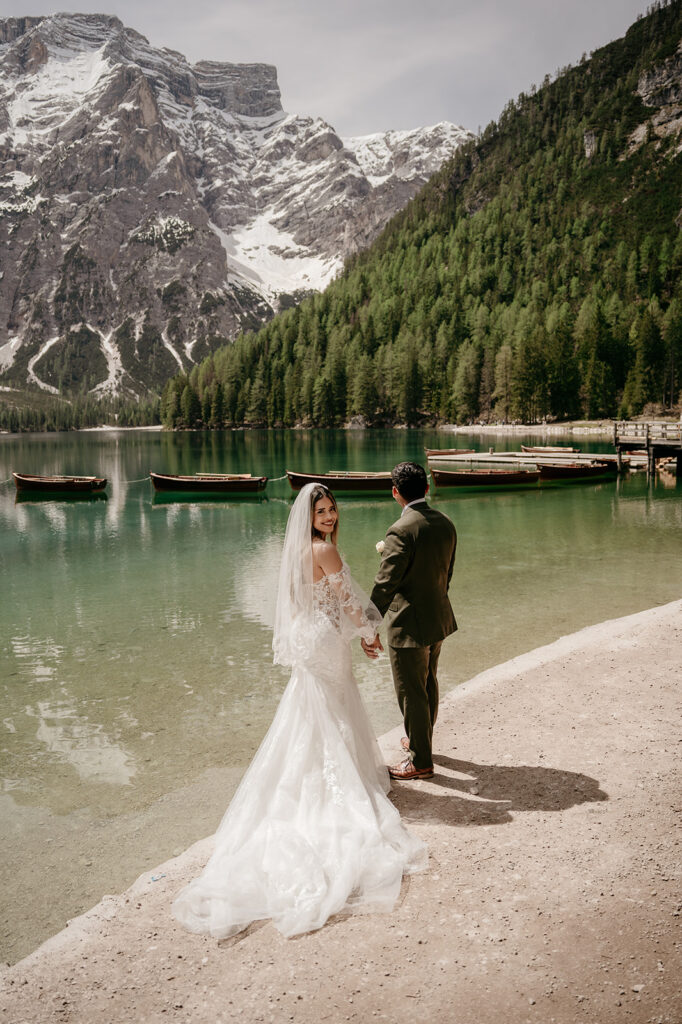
pixel 411 592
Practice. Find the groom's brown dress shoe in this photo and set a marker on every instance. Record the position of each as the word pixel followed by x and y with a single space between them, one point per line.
pixel 405 771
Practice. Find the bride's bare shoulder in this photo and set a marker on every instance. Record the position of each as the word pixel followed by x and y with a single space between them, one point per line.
pixel 327 557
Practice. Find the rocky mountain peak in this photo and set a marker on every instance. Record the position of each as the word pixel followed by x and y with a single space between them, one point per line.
pixel 247 89
pixel 150 209
pixel 13 28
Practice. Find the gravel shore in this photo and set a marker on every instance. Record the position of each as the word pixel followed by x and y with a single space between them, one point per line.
pixel 552 892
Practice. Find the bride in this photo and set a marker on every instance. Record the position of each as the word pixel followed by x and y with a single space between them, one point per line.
pixel 310 831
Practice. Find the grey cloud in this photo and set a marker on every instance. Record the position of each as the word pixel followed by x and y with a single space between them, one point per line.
pixel 367 65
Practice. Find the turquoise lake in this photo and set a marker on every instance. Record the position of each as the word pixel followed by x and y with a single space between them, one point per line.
pixel 135 657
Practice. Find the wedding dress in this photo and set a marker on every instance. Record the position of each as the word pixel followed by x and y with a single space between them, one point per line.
pixel 310 831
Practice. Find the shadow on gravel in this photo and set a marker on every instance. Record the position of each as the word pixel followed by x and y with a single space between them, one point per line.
pixel 426 806
pixel 529 789
pixel 491 792
pixel 234 940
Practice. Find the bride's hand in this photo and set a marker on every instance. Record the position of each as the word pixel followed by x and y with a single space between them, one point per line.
pixel 372 650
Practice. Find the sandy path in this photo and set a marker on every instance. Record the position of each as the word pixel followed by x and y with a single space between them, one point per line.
pixel 552 893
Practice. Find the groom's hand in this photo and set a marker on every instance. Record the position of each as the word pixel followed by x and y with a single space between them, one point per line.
pixel 372 650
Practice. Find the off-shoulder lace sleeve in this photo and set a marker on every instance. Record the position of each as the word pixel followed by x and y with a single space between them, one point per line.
pixel 359 617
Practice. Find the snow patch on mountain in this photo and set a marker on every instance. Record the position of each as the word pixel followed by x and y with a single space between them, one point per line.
pixel 58 90
pixel 8 352
pixel 32 375
pixel 169 205
pixel 168 344
pixel 270 261
pixel 115 371
pixel 402 153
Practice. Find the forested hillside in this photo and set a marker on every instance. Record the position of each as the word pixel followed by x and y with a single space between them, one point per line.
pixel 38 411
pixel 537 275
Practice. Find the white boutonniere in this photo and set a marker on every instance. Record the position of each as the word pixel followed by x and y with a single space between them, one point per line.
pixel 380 545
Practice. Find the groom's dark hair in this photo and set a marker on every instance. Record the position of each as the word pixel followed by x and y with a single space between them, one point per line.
pixel 409 479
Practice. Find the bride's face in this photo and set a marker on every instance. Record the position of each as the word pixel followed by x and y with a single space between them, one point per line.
pixel 324 515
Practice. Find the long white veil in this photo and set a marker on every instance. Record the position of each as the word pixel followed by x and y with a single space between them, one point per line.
pixel 295 587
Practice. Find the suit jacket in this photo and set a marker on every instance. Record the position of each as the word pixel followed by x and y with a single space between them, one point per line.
pixel 411 586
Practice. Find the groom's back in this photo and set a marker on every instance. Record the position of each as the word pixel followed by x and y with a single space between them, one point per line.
pixel 412 583
pixel 435 543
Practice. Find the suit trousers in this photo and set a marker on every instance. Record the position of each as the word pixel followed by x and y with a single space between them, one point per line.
pixel 416 686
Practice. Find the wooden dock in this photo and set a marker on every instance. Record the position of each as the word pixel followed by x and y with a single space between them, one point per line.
pixel 660 439
pixel 530 460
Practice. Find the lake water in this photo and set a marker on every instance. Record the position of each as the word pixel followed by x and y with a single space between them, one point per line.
pixel 135 657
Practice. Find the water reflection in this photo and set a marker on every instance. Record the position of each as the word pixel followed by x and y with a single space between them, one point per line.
pixel 84 745
pixel 181 622
pixel 63 727
pixel 668 479
pixel 654 503
pixel 36 653
pixel 255 583
pixel 39 497
pixel 178 498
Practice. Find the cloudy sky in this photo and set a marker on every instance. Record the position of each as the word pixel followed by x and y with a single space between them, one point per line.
pixel 370 65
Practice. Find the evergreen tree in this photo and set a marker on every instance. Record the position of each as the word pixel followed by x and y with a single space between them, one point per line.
pixel 526 279
pixel 217 414
pixel 645 380
pixel 466 386
pixel 323 403
pixel 504 362
pixel 672 333
pixel 190 406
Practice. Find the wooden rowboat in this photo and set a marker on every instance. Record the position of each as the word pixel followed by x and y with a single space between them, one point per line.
pixel 576 471
pixel 548 450
pixel 430 452
pixel 59 484
pixel 210 483
pixel 486 478
pixel 343 480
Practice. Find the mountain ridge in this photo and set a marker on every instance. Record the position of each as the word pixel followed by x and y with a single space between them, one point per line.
pixel 537 275
pixel 150 209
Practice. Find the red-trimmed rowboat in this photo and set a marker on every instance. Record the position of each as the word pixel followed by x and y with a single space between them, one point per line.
pixel 548 449
pixel 357 482
pixel 430 452
pixel 59 484
pixel 485 478
pixel 576 471
pixel 210 483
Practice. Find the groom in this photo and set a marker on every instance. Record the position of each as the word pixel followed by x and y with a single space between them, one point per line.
pixel 411 590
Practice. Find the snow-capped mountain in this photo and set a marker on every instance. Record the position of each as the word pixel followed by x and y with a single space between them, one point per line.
pixel 150 209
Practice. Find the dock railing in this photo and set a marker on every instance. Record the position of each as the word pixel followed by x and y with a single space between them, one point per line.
pixel 660 438
pixel 655 430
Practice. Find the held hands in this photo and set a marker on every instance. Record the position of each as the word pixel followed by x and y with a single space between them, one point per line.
pixel 372 650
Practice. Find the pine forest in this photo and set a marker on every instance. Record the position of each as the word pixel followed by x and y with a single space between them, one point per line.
pixel 536 276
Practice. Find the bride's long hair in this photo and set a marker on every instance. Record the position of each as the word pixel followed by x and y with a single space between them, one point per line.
pixel 321 491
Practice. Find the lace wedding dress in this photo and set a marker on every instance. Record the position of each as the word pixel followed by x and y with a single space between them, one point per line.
pixel 310 831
